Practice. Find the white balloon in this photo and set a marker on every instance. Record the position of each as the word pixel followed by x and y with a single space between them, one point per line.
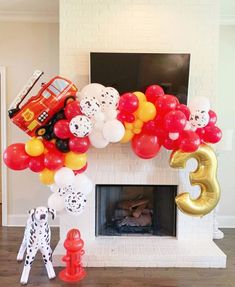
pixel 75 202
pixel 174 136
pixel 67 189
pixel 64 177
pixel 94 90
pixel 54 187
pixel 199 119
pixel 89 106
pixel 99 126
pixel 80 126
pixel 109 98
pixel 113 131
pixel 56 202
pixel 99 117
pixel 199 103
pixel 97 140
pixel 111 114
pixel 83 183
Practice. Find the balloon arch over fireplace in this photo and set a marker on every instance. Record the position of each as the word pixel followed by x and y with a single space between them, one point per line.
pixel 64 123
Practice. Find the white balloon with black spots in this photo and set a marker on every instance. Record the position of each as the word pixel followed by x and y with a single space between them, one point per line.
pixel 109 98
pixel 80 126
pixel 89 106
pixel 75 202
pixel 199 119
pixel 66 190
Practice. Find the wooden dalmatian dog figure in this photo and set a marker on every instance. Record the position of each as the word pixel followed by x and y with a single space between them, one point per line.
pixel 37 236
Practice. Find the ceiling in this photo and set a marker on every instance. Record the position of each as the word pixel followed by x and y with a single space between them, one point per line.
pixel 34 6
pixel 48 10
pixel 30 10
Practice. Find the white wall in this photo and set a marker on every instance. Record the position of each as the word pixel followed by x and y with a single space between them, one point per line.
pixel 136 26
pixel 141 26
pixel 226 113
pixel 25 47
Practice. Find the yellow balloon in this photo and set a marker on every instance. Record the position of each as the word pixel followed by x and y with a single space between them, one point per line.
pixel 128 126
pixel 141 97
pixel 127 136
pixel 74 160
pixel 34 147
pixel 138 124
pixel 205 176
pixel 146 111
pixel 47 176
pixel 136 131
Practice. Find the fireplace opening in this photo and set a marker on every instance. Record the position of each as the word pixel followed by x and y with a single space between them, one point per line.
pixel 131 210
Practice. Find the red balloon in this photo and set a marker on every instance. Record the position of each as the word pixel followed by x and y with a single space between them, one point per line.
pixel 48 145
pixel 53 160
pixel 175 121
pixel 126 117
pixel 190 141
pixel 159 120
pixel 212 134
pixel 145 146
pixel 201 133
pixel 213 118
pixel 80 170
pixel 161 135
pixel 15 156
pixel 166 103
pixel 61 129
pixel 36 164
pixel 150 127
pixel 128 103
pixel 80 145
pixel 72 110
pixel 153 92
pixel 184 109
pixel 170 144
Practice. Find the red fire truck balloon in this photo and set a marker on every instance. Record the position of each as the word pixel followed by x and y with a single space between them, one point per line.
pixel 32 116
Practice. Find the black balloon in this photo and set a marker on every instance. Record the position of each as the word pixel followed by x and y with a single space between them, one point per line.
pixel 62 145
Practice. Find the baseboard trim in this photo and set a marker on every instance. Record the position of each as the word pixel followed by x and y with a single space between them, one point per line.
pixel 21 219
pixel 226 221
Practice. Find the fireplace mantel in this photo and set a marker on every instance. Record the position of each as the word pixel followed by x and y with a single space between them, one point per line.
pixel 193 246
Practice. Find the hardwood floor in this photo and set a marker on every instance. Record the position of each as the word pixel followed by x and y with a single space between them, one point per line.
pixel 10 270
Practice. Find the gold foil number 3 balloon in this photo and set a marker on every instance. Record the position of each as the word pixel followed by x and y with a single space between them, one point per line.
pixel 204 176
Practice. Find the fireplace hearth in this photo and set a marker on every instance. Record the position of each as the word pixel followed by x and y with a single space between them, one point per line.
pixel 132 210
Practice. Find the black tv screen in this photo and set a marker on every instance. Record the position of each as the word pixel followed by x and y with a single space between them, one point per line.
pixel 129 72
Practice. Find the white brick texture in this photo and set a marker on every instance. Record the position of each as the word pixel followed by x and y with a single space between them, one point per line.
pixel 164 26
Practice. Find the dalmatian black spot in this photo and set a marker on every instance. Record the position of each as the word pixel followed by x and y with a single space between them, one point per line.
pixel 199 119
pixel 80 126
pixel 89 106
pixel 75 202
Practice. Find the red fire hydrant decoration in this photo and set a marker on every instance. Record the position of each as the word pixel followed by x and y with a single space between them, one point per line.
pixel 74 245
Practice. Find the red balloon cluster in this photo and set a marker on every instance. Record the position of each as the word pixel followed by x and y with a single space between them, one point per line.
pixel 128 104
pixel 170 128
pixel 52 154
pixel 151 120
pixel 66 141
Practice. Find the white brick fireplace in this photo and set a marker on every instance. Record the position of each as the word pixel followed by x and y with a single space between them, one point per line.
pixel 169 26
pixel 193 245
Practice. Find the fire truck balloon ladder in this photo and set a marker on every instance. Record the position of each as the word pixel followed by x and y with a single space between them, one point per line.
pixel 26 89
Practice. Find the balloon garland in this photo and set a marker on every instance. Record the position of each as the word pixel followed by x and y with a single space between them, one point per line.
pixel 100 116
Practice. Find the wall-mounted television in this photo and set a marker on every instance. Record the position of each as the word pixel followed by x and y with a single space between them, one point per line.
pixel 129 72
